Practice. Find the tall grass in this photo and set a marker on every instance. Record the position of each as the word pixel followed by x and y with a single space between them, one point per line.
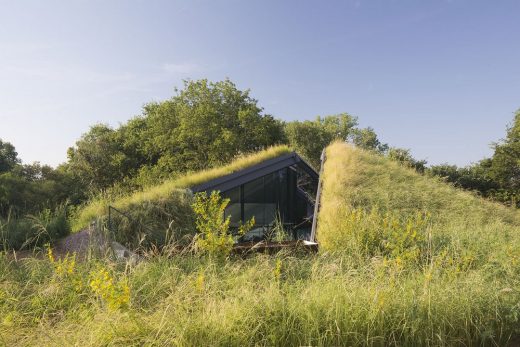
pixel 357 181
pixel 375 210
pixel 98 207
pixel 155 222
pixel 31 231
pixel 406 260
pixel 262 300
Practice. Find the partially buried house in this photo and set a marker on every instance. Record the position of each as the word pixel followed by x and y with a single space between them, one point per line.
pixel 279 193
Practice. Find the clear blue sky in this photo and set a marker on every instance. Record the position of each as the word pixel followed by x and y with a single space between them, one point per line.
pixel 439 77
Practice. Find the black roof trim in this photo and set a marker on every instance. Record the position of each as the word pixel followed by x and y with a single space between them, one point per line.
pixel 266 167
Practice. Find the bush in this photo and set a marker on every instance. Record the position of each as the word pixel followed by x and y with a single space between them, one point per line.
pixel 214 236
pixel 34 230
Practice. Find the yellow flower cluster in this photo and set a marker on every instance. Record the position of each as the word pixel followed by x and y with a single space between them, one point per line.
pixel 50 255
pixel 63 267
pixel 114 294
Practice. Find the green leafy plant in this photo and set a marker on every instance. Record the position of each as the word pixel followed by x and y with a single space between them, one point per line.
pixel 214 237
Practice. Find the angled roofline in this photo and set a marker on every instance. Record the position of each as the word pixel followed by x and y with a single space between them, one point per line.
pixel 248 174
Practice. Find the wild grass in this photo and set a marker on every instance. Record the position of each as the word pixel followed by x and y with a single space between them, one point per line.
pixel 375 210
pixel 405 260
pixel 282 300
pixel 98 207
pixel 27 232
pixel 354 179
pixel 157 222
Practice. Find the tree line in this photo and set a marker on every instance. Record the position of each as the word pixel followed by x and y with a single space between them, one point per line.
pixel 206 124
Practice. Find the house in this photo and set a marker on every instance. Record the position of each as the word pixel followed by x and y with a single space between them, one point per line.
pixel 279 193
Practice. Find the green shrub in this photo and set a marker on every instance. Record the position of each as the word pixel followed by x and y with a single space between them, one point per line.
pixel 214 236
pixel 34 230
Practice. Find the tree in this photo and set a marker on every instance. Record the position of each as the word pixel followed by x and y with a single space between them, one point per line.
pixel 497 177
pixel 505 163
pixel 309 138
pixel 367 139
pixel 205 125
pixel 405 157
pixel 473 177
pixel 8 157
pixel 98 159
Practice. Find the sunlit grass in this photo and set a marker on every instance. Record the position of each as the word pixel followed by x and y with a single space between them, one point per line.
pixel 405 260
pixel 357 179
pixel 281 300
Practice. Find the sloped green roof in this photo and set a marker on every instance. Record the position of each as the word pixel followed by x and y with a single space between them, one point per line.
pixel 353 178
pixel 99 207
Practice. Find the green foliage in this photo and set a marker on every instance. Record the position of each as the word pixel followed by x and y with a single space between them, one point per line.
pixel 367 139
pixel 474 177
pixel 374 234
pixel 309 138
pixel 8 157
pixel 419 229
pixel 355 179
pixel 98 160
pixel 406 259
pixel 404 157
pixel 34 230
pixel 322 300
pixel 505 163
pixel 154 223
pixel 214 236
pixel 14 232
pixel 205 125
pixel 278 232
pixel 496 178
pixel 30 188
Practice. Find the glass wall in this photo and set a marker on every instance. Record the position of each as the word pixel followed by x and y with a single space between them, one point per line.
pixel 268 199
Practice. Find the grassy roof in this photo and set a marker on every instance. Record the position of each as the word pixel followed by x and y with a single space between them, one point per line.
pixel 358 179
pixel 99 207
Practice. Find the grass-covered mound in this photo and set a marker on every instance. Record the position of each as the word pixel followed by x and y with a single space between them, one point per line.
pixel 449 260
pixel 164 210
pixel 360 187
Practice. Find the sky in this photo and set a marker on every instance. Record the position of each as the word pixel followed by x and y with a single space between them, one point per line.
pixel 441 78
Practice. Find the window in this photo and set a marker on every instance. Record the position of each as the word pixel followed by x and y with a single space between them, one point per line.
pixel 233 209
pixel 265 199
pixel 259 201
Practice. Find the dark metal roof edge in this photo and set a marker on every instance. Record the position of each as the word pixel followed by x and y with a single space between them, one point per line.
pixel 261 167
pixel 306 167
pixel 234 175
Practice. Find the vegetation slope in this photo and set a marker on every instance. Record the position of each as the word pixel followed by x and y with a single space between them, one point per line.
pixel 163 209
pixel 405 260
pixel 446 261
